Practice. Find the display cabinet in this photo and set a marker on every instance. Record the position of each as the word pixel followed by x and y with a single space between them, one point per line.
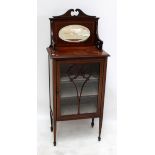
pixel 77 69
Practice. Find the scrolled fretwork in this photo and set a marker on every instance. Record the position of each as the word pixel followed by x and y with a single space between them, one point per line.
pixel 73 72
pixel 99 44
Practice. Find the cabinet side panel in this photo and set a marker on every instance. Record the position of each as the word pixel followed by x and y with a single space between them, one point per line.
pixel 54 91
pixel 103 85
pixel 58 88
pixel 100 88
pixel 50 84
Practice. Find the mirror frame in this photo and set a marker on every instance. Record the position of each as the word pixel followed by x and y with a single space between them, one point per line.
pixel 74 33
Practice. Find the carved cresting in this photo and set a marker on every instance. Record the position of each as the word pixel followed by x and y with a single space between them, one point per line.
pixel 72 13
pixel 75 71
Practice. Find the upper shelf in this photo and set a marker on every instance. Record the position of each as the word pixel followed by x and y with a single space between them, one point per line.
pixel 65 79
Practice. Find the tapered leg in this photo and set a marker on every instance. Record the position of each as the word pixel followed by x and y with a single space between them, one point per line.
pixel 100 128
pixel 54 133
pixel 51 117
pixel 92 123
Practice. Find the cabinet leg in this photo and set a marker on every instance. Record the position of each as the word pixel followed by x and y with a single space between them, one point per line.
pixel 51 115
pixel 92 123
pixel 100 128
pixel 51 120
pixel 54 133
pixel 54 143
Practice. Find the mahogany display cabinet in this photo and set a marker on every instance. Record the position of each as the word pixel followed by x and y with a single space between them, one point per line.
pixel 77 69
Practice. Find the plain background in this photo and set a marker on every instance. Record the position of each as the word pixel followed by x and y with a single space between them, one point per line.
pixel 135 77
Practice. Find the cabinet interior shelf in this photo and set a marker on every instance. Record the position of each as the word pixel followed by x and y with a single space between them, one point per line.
pixel 65 79
pixel 69 90
pixel 88 104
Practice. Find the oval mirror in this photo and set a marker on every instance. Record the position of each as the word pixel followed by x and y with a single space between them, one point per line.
pixel 74 33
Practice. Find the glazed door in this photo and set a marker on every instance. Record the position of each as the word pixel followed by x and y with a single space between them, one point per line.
pixel 78 87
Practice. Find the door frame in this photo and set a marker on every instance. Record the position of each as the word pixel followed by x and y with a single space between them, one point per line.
pixel 99 102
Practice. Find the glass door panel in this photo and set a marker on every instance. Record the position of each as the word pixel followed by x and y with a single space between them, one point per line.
pixel 88 103
pixel 79 88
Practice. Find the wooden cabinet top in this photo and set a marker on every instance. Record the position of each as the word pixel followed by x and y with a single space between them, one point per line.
pixel 77 52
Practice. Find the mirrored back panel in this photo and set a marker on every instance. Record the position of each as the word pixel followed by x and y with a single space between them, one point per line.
pixel 74 33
